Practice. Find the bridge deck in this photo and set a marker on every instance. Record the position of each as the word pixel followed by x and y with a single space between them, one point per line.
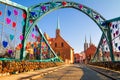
pixel 65 72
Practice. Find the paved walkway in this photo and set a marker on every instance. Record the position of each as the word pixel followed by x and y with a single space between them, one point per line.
pixel 71 72
pixel 65 72
pixel 115 75
pixel 74 72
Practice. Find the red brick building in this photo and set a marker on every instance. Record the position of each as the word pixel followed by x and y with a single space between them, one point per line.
pixel 61 47
pixel 90 52
pixel 79 57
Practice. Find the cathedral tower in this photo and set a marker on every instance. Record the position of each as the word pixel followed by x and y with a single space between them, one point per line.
pixel 90 42
pixel 85 44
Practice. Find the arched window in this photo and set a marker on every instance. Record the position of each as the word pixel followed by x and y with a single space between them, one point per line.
pixel 55 44
pixel 62 44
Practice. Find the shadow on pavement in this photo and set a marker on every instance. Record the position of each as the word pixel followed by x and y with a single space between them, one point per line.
pixel 89 74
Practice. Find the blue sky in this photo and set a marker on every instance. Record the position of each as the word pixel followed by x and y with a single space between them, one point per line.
pixel 74 25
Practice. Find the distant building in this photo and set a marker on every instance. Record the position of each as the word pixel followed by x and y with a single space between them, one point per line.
pixel 102 56
pixel 76 58
pixel 60 46
pixel 79 57
pixel 89 50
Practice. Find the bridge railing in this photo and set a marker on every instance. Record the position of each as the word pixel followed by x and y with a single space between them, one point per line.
pixel 8 67
pixel 14 45
pixel 108 65
pixel 103 52
pixel 12 21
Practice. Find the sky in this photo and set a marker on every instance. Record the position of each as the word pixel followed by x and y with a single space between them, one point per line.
pixel 75 25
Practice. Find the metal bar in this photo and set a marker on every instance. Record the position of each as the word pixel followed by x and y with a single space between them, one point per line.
pixel 115 19
pixel 98 46
pixel 41 47
pixel 110 43
pixel 10 3
pixel 46 42
pixel 22 52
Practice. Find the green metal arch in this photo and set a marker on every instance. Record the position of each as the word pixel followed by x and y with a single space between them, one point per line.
pixel 52 6
pixel 86 10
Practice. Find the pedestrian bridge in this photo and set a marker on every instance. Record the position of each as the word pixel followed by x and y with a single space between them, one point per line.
pixel 23 46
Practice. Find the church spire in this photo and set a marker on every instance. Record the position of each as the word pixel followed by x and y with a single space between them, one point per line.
pixel 90 41
pixel 58 28
pixel 85 39
pixel 58 23
pixel 85 44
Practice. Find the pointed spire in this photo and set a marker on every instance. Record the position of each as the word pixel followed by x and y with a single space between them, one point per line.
pixel 58 24
pixel 58 28
pixel 85 44
pixel 85 39
pixel 90 40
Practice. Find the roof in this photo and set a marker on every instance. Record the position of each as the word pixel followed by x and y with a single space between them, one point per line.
pixel 65 41
pixel 76 56
pixel 50 40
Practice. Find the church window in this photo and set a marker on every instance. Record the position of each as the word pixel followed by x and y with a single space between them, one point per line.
pixel 55 44
pixel 62 44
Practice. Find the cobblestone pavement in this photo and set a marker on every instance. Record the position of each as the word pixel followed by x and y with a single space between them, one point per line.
pixel 74 72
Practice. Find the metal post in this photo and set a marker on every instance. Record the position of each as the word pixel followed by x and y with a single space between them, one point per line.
pixel 22 52
pixel 103 53
pixel 48 52
pixel 97 50
pixel 110 43
pixel 41 47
